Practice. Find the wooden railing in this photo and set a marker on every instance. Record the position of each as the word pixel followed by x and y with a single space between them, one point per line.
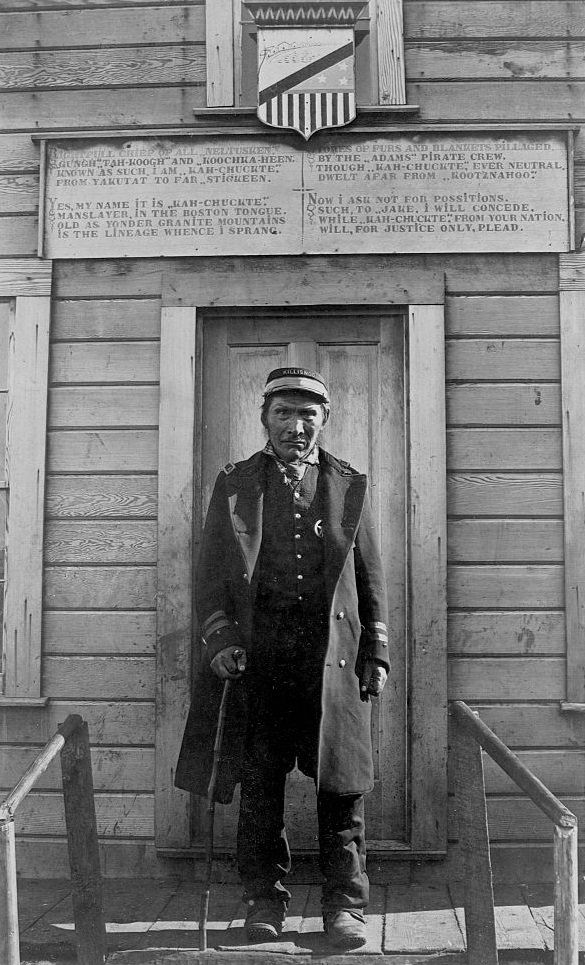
pixel 72 742
pixel 471 735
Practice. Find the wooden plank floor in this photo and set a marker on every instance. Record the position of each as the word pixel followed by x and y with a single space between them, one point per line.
pixel 154 922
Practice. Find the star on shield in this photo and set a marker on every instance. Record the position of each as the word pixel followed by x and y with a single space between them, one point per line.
pixel 306 74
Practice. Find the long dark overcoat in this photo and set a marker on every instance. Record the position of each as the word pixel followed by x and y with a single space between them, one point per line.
pixel 356 595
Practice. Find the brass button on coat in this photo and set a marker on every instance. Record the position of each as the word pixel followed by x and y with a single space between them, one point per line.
pixel 341 615
pixel 342 664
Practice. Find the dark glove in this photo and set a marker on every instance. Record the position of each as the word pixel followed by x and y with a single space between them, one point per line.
pixel 230 662
pixel 373 679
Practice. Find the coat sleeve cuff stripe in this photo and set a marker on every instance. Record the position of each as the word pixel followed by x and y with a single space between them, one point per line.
pixel 217 621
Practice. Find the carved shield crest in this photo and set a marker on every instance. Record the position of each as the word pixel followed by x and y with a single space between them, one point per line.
pixel 306 64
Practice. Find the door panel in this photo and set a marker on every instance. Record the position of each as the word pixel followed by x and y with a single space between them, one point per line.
pixel 361 355
pixel 248 367
pixel 353 371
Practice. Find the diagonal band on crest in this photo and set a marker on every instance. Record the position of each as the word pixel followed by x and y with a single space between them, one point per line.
pixel 291 80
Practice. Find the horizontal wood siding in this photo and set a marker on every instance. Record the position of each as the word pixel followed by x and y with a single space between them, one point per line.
pixel 506 621
pixel 91 28
pixel 127 769
pixel 506 627
pixel 520 60
pixel 100 579
pixel 110 67
pixel 83 68
pixel 82 64
pixel 87 65
pixel 505 542
pixel 100 550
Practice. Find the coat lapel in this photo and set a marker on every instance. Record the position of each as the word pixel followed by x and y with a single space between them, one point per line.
pixel 343 500
pixel 246 498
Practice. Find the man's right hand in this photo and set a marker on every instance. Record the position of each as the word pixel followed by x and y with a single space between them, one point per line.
pixel 230 662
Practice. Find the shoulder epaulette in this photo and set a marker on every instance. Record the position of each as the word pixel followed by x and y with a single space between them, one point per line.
pixel 228 468
pixel 346 468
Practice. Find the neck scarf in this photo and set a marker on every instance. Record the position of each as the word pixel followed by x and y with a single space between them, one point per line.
pixel 293 472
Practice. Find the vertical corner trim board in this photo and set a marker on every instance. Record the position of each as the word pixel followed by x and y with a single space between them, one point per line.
pixel 175 553
pixel 572 315
pixel 219 47
pixel 390 46
pixel 428 591
pixel 28 366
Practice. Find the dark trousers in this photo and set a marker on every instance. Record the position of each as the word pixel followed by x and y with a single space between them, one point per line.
pixel 284 685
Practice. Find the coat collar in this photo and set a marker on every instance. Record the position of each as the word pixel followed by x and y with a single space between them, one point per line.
pixel 343 499
pixel 344 491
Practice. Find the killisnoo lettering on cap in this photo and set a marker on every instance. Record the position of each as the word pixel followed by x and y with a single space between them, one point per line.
pixel 296 379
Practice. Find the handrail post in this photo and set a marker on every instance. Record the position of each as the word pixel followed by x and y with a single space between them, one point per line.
pixel 566 902
pixel 566 907
pixel 9 945
pixel 82 840
pixel 480 926
pixel 72 740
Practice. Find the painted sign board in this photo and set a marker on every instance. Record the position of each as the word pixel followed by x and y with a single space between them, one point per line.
pixel 338 194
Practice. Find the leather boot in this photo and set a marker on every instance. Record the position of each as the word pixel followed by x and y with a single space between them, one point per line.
pixel 264 919
pixel 345 929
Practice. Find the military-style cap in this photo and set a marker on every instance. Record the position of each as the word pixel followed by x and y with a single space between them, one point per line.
pixel 295 379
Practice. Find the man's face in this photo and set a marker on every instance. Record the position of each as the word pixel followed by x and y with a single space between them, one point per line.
pixel 294 420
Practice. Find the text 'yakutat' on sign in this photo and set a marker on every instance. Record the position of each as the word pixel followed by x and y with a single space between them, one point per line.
pixel 340 194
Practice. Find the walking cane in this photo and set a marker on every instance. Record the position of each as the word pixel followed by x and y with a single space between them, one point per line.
pixel 204 910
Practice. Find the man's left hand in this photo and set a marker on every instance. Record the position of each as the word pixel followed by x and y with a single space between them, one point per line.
pixel 373 679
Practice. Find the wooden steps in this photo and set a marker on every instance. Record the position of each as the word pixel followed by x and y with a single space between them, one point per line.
pixel 155 922
pixel 256 956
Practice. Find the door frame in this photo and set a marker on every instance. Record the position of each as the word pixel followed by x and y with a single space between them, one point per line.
pixel 276 282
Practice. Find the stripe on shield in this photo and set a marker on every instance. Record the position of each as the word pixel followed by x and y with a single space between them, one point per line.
pixel 308 112
pixel 305 73
pixel 302 114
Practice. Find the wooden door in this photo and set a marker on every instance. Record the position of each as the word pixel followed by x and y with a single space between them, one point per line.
pixel 361 354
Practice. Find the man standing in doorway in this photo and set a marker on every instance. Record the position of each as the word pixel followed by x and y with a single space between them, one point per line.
pixel 291 599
